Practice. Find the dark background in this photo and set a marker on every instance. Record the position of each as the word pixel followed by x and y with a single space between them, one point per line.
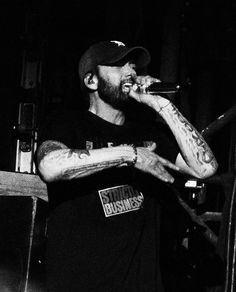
pixel 191 42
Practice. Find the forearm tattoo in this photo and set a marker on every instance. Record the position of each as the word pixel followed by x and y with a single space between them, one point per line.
pixel 86 169
pixel 190 141
pixel 47 147
pixel 72 163
pixel 81 171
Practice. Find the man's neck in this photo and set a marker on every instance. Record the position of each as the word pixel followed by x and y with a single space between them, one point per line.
pixel 107 112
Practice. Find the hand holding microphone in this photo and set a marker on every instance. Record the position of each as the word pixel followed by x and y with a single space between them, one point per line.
pixel 147 90
pixel 153 86
pixel 162 87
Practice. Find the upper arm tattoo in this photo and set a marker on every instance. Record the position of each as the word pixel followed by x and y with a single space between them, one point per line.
pixel 47 147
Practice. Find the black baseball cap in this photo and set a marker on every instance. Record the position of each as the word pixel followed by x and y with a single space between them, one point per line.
pixel 110 52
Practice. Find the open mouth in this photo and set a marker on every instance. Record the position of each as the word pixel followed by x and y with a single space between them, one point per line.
pixel 126 86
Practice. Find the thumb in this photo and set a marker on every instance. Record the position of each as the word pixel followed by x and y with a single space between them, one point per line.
pixel 152 146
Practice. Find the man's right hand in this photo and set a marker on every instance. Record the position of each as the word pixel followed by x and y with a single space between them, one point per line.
pixel 150 162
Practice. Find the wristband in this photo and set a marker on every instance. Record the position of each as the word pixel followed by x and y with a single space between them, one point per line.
pixel 135 155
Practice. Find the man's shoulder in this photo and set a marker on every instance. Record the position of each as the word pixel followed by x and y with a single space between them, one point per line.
pixel 65 115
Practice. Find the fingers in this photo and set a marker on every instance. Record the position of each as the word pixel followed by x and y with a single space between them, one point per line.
pixel 152 146
pixel 161 173
pixel 168 163
pixel 154 164
pixel 138 92
pixel 146 80
pixel 156 158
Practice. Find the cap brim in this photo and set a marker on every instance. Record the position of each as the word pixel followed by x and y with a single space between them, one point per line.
pixel 139 55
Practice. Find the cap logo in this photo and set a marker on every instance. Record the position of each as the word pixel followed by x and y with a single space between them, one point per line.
pixel 119 44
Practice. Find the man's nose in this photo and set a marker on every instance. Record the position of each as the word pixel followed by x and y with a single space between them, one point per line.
pixel 128 68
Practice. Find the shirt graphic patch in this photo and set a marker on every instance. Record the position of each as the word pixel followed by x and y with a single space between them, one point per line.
pixel 120 199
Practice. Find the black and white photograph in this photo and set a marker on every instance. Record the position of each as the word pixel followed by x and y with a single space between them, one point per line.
pixel 118 146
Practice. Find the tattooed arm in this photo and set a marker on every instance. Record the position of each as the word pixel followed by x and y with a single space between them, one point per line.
pixel 195 157
pixel 57 162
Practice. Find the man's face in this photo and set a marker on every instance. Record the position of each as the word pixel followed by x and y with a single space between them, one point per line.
pixel 114 83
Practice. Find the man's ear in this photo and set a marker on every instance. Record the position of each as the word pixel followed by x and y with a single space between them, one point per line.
pixel 91 81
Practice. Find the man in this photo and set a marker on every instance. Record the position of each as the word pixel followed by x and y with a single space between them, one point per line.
pixel 105 176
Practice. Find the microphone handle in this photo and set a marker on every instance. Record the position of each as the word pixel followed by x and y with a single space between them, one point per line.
pixel 162 87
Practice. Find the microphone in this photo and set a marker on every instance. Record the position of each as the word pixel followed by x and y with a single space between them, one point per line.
pixel 159 87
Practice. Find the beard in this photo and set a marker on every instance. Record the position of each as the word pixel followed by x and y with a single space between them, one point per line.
pixel 113 95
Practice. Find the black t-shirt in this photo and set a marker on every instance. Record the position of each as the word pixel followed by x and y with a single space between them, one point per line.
pixel 103 228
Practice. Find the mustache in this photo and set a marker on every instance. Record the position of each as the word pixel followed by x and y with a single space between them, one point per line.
pixel 130 79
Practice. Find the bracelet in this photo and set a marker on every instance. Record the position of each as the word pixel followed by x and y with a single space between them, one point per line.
pixel 135 155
